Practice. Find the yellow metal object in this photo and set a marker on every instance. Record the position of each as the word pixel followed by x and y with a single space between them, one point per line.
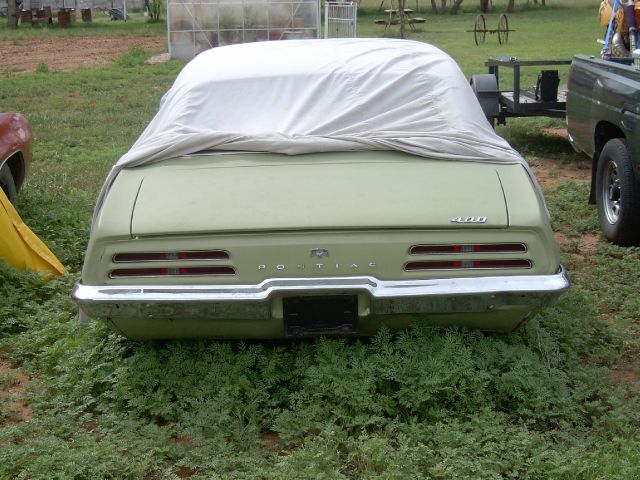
pixel 604 13
pixel 20 247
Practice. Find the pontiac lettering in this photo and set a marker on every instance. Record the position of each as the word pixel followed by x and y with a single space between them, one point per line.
pixel 318 266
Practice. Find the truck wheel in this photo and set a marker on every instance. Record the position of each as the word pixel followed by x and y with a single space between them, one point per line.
pixel 618 194
pixel 8 185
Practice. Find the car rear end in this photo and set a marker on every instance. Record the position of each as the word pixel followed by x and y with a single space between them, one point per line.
pixel 264 246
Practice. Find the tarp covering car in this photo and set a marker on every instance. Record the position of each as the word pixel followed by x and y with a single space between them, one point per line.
pixel 369 94
pixel 20 247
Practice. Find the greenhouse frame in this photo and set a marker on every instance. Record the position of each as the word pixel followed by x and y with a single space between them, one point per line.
pixel 197 25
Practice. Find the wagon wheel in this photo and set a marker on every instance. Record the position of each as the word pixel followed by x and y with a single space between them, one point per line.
pixel 503 29
pixel 479 30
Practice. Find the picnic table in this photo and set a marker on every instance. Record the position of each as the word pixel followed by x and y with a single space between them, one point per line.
pixel 395 18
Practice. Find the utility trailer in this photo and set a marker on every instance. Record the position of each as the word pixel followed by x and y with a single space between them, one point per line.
pixel 543 100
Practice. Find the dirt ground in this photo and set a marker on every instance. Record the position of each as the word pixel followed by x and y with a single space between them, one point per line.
pixel 549 171
pixel 65 54
pixel 15 393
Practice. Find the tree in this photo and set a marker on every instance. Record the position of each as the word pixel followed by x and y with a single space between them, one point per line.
pixel 484 6
pixel 455 7
pixel 13 13
pixel 403 18
pixel 510 6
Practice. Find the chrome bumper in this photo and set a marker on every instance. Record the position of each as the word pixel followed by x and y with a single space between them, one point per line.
pixel 376 297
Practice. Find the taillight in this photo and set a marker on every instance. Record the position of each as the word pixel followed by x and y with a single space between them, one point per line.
pixel 468 248
pixel 467 264
pixel 169 256
pixel 175 267
pixel 163 271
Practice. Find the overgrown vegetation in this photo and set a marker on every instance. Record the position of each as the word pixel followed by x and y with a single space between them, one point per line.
pixel 558 399
pixel 155 9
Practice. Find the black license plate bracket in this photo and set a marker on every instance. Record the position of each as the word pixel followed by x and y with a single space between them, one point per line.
pixel 320 315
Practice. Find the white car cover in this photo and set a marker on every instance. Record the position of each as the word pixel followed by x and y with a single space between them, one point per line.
pixel 304 96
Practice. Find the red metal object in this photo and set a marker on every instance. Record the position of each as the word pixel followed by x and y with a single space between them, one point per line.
pixel 25 17
pixel 15 145
pixel 64 17
pixel 86 15
pixel 39 16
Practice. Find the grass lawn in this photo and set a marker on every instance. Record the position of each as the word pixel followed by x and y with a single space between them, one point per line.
pixel 137 24
pixel 557 399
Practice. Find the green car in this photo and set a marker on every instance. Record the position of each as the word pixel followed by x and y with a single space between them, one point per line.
pixel 296 188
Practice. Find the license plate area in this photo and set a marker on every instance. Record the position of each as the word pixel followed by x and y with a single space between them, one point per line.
pixel 322 315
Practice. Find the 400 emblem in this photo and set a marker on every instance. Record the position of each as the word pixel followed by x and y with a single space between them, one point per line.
pixel 469 220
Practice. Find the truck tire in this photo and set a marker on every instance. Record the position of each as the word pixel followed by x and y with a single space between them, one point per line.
pixel 618 194
pixel 8 185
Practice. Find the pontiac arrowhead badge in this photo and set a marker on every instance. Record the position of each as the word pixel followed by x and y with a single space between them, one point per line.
pixel 319 252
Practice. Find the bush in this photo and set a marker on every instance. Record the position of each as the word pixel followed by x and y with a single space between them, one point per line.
pixel 155 9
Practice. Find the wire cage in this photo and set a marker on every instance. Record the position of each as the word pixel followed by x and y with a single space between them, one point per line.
pixel 197 25
pixel 340 19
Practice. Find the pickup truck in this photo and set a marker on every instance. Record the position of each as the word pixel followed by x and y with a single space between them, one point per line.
pixel 603 121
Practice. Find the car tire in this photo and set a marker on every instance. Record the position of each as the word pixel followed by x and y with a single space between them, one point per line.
pixel 8 185
pixel 618 194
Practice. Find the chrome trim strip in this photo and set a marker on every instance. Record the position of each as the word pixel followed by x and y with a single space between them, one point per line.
pixel 378 289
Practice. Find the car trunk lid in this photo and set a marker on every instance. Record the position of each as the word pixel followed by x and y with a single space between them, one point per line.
pixel 299 195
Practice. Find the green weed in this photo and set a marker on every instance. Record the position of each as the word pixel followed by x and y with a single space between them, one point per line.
pixel 42 67
pixel 571 212
pixel 419 402
pixel 136 56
